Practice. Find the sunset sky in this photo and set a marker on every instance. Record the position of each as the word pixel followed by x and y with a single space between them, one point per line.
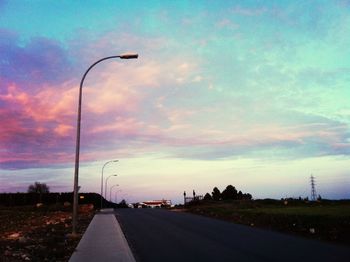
pixel 250 93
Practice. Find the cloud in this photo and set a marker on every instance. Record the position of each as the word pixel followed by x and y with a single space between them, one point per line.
pixel 38 61
pixel 38 108
pixel 159 102
pixel 36 128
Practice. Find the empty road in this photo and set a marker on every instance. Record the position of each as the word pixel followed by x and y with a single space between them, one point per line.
pixel 161 235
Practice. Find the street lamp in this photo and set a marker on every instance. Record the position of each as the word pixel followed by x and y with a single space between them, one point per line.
pixel 106 185
pixel 77 148
pixel 110 192
pixel 102 178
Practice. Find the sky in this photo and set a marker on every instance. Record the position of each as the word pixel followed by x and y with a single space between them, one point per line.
pixel 249 93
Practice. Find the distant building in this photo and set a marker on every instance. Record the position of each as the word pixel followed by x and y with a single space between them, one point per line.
pixel 155 203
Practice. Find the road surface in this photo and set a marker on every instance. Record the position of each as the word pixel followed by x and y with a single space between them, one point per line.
pixel 161 235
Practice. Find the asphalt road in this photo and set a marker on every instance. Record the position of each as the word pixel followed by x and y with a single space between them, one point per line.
pixel 161 235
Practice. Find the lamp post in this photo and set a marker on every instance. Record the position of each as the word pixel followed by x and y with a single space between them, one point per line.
pixel 106 185
pixel 102 178
pixel 110 192
pixel 77 147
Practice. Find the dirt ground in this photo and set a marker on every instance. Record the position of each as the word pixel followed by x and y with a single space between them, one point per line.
pixel 33 233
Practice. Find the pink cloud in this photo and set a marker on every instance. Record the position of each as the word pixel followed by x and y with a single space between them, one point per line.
pixel 128 108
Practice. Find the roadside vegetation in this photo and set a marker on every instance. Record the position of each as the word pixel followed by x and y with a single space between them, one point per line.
pixel 326 220
pixel 37 226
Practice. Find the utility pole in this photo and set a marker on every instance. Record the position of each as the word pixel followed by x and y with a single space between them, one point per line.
pixel 313 189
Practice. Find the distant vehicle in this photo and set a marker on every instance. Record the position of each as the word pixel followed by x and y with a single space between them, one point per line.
pixel 155 204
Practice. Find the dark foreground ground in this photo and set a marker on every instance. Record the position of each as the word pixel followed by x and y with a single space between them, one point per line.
pixel 39 234
pixel 161 235
pixel 324 220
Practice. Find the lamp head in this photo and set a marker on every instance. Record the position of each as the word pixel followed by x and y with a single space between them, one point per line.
pixel 129 56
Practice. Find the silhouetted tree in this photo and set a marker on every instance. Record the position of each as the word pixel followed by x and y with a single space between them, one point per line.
pixel 207 197
pixel 229 193
pixel 38 187
pixel 240 195
pixel 123 204
pixel 216 194
pixel 247 196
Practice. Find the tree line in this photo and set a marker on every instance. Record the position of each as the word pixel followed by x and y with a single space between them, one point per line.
pixel 40 193
pixel 229 193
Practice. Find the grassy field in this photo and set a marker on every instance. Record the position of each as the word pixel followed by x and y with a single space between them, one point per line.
pixel 325 220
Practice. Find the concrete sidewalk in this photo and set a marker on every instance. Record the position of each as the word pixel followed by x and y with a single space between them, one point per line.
pixel 103 241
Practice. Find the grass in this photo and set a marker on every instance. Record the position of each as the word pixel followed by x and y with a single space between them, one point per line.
pixel 329 211
pixel 325 220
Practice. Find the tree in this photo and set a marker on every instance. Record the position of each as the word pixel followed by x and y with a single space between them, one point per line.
pixel 240 195
pixel 247 196
pixel 207 197
pixel 122 204
pixel 38 187
pixel 216 194
pixel 229 193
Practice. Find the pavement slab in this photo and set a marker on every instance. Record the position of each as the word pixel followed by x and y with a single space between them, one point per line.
pixel 103 241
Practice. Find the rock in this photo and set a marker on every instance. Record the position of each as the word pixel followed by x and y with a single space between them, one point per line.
pixel 312 230
pixel 14 236
pixel 67 204
pixel 38 205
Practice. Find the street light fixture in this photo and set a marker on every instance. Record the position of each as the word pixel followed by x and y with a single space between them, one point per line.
pixel 77 147
pixel 110 192
pixel 102 178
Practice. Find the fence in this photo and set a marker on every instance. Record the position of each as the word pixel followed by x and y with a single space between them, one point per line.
pixel 194 199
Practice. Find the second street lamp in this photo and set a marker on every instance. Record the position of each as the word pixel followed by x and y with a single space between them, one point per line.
pixel 106 185
pixel 77 146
